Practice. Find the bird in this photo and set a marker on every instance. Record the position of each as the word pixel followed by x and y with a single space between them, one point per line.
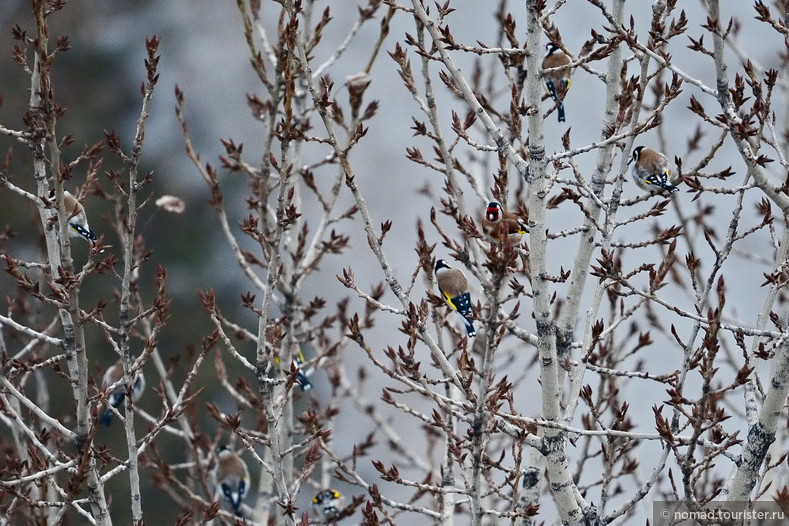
pixel 273 337
pixel 77 218
pixel 232 477
pixel 453 285
pixel 327 504
pixel 557 82
pixel 301 377
pixel 500 225
pixel 113 379
pixel 651 172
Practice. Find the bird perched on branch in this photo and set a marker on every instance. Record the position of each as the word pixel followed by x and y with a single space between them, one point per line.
pixel 557 82
pixel 113 379
pixel 327 504
pixel 274 336
pixel 453 285
pixel 232 477
pixel 651 171
pixel 500 225
pixel 301 377
pixel 77 219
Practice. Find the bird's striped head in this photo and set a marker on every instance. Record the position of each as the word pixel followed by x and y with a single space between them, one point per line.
pixel 636 154
pixel 551 47
pixel 494 212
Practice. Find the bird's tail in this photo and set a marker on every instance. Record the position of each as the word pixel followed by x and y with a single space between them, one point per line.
pixel 462 304
pixel 470 330
pixel 303 381
pixel 106 417
pixel 560 110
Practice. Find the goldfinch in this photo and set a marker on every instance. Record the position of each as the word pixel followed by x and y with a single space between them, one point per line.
pixel 500 225
pixel 301 377
pixel 77 219
pixel 556 82
pixel 232 477
pixel 327 504
pixel 273 337
pixel 650 170
pixel 113 379
pixel 453 285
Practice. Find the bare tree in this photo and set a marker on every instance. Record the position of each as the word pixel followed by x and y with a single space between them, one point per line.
pixel 619 356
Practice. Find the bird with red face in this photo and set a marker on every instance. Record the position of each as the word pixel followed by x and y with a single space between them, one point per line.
pixel 501 226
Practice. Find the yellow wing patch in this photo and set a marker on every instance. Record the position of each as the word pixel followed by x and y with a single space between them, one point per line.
pixel 449 300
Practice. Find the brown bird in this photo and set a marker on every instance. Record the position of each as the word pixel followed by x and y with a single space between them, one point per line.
pixel 453 285
pixel 651 171
pixel 500 225
pixel 557 82
pixel 232 477
pixel 113 378
pixel 77 218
